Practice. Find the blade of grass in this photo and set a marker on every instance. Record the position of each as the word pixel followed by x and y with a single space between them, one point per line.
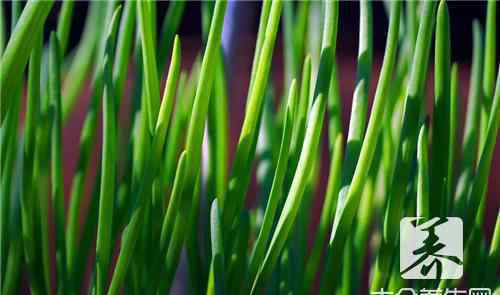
pixel 57 183
pixel 145 14
pixel 360 239
pixel 480 183
pixel 245 149
pixel 14 260
pixel 261 36
pixel 292 203
pixel 131 233
pixel 471 127
pixel 454 103
pixel 489 70
pixel 109 161
pixel 276 192
pixel 124 48
pixel 9 232
pixel 406 146
pixel 300 31
pixel 173 205
pixel 27 201
pixel 348 203
pixel 64 24
pixel 290 64
pixel 302 173
pixel 85 54
pixel 327 213
pixel 195 138
pixel 41 189
pixel 8 134
pixel 494 254
pixel 360 96
pixel 18 50
pixel 334 108
pixel 87 138
pixel 168 100
pixel 235 279
pixel 218 137
pixel 423 173
pixel 302 108
pixel 175 135
pixel 474 218
pixel 217 274
pixel 441 115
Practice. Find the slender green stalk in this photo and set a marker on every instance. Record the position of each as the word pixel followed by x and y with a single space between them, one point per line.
pixel 360 96
pixel 452 142
pixel 423 173
pixel 17 52
pixel 64 24
pixel 302 172
pixel 218 135
pixel 479 186
pixel 167 100
pixel 327 213
pixel 302 108
pixel 85 54
pixel 123 48
pixel 471 127
pixel 87 138
pixel 494 254
pixel 291 65
pixel 145 14
pixel 194 139
pixel 175 135
pixel 348 203
pixel 489 51
pixel 246 145
pixel 441 115
pixel 56 158
pixel 109 161
pixel 12 275
pixel 477 204
pixel 27 196
pixel 292 203
pixel 10 205
pixel 360 239
pixel 276 192
pixel 173 205
pixel 261 36
pixel 142 190
pixel 300 32
pixel 406 146
pixel 41 173
pixel 365 56
pixel 330 28
pixel 217 274
pixel 489 71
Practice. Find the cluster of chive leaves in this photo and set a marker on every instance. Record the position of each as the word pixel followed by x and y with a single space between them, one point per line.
pixel 151 200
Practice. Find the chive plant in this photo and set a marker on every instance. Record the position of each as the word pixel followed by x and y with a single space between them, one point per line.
pixel 150 199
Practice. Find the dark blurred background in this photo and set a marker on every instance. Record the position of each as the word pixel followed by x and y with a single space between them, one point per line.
pixel 462 13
